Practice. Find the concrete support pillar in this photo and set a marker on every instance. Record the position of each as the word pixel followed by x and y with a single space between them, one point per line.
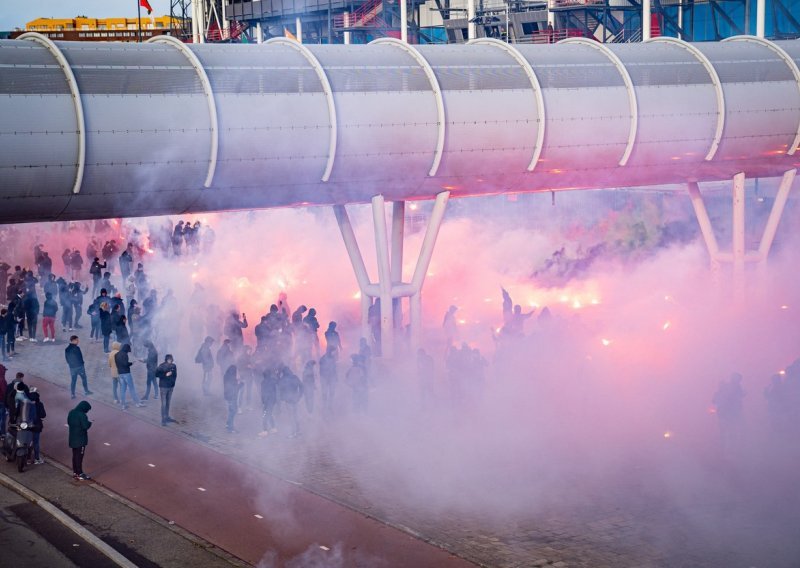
pixel 298 26
pixel 346 26
pixel 775 215
pixel 259 33
pixel 384 276
pixel 645 20
pixel 705 223
pixel 398 229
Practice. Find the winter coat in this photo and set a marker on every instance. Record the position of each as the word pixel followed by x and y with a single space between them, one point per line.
pixel 74 356
pixel 290 389
pixel 112 362
pixel 105 322
pixel 123 361
pixel 269 389
pixel 40 413
pixel 50 307
pixel 230 384
pixel 79 425
pixel 122 333
pixel 205 358
pixel 3 383
pixel 152 359
pixel 31 305
pixel 164 381
pixel 327 368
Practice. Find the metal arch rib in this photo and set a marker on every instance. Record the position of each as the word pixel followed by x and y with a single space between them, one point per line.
pixel 326 87
pixel 626 78
pixel 712 73
pixel 437 93
pixel 76 100
pixel 212 105
pixel 537 90
pixel 789 62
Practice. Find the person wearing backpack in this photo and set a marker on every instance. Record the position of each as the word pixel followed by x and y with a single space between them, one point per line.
pixel 206 360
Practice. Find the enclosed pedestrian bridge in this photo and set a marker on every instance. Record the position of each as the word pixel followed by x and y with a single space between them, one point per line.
pixel 121 130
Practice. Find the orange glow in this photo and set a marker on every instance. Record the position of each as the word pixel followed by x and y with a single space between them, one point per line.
pixel 605 342
pixel 666 325
pixel 413 206
pixel 450 187
pixel 555 171
pixel 667 435
pixel 357 295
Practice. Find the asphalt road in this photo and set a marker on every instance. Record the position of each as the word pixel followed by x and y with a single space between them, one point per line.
pixel 246 512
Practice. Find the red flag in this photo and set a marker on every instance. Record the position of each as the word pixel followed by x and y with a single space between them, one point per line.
pixel 146 5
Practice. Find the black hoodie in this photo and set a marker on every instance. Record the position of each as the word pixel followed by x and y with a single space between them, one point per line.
pixel 122 360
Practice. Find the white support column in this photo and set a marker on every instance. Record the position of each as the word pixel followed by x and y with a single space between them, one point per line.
pixel 421 270
pixel 775 215
pixel 384 276
pixel 360 270
pixel 398 229
pixel 259 33
pixel 761 17
pixel 346 20
pixel 705 223
pixel 404 21
pixel 225 23
pixel 471 30
pixel 298 26
pixel 738 234
pixel 195 21
pixel 645 20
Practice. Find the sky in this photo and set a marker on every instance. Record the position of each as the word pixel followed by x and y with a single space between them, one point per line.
pixel 14 14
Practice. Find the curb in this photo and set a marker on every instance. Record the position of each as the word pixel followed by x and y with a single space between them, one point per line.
pixel 191 537
pixel 68 522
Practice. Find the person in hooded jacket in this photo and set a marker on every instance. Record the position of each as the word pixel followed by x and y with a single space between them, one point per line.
pixel 49 312
pixel 105 324
pixel 124 363
pixel 31 303
pixel 328 377
pixel 225 356
pixel 290 391
pixel 309 385
pixel 167 373
pixel 79 425
pixel 122 334
pixel 6 334
pixel 231 386
pixel 332 338
pixel 38 424
pixel 356 378
pixel 206 360
pixel 151 362
pixel 65 299
pixel 3 388
pixel 74 358
pixel 112 364
pixel 76 296
pixel 269 398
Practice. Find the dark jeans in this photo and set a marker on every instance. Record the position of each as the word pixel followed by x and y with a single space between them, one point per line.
pixel 3 347
pixel 36 436
pixel 77 460
pixel 166 399
pixel 151 380
pixel 10 342
pixel 95 332
pixel 206 381
pixel 66 315
pixel 32 323
pixel 74 372
pixel 78 313
pixel 105 342
pixel 232 408
pixel 268 418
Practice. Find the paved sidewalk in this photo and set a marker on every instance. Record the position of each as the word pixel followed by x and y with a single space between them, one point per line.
pixel 652 529
pixel 138 535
